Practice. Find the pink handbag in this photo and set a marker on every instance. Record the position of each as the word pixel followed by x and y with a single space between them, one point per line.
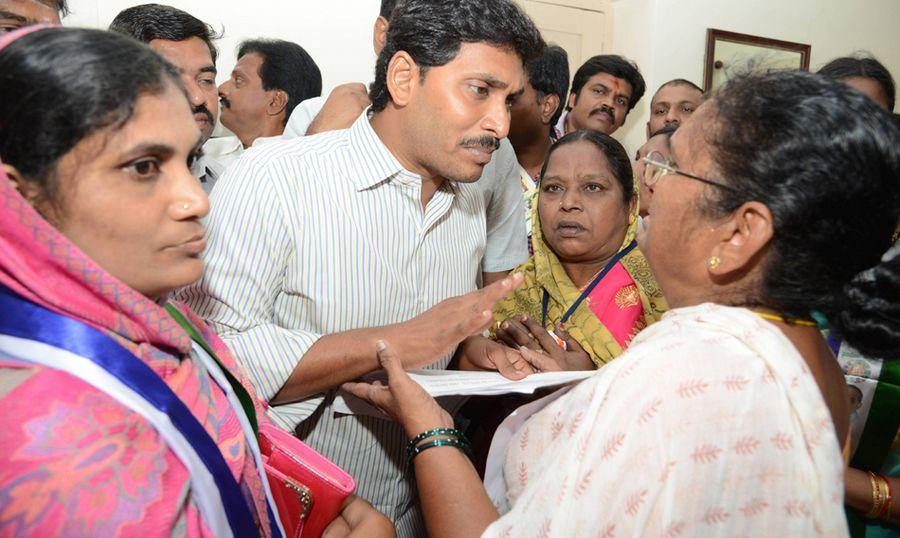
pixel 308 489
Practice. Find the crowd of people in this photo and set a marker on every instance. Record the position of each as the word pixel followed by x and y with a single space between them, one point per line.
pixel 166 294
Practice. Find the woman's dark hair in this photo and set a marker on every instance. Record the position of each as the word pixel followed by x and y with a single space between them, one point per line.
pixel 287 67
pixel 432 32
pixel 61 6
pixel 59 85
pixel 875 307
pixel 863 66
pixel 825 160
pixel 610 147
pixel 616 66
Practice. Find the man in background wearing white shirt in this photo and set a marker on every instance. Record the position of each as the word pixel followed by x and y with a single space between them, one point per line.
pixel 321 246
pixel 507 246
pixel 271 77
pixel 186 42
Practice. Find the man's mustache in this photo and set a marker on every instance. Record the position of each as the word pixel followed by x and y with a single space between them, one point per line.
pixel 485 142
pixel 224 100
pixel 604 109
pixel 201 109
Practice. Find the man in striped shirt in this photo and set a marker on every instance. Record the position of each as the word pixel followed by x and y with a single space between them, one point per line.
pixel 319 246
pixel 507 243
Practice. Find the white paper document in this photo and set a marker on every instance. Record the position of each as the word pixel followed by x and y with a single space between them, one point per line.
pixel 455 384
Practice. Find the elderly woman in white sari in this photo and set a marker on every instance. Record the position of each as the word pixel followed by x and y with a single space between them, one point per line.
pixel 729 415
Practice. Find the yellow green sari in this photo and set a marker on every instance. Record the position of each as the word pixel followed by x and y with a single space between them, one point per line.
pixel 626 300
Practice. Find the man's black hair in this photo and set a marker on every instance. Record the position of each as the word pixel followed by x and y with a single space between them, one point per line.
pixel 680 82
pixel 862 66
pixel 432 32
pixel 386 7
pixel 616 66
pixel 287 67
pixel 156 21
pixel 549 74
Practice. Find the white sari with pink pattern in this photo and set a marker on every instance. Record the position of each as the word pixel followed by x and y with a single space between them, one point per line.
pixel 710 424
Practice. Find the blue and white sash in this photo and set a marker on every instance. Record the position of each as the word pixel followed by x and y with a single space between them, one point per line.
pixel 34 334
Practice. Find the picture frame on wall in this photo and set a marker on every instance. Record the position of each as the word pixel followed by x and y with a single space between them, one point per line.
pixel 729 54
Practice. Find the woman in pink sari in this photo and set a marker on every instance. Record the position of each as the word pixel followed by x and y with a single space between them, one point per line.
pixel 101 222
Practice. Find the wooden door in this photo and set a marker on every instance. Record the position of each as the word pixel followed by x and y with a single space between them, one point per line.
pixel 581 27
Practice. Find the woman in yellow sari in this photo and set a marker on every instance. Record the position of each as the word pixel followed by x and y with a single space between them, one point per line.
pixel 588 289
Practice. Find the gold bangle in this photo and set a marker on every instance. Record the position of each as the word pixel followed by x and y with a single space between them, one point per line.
pixel 878 496
pixel 885 513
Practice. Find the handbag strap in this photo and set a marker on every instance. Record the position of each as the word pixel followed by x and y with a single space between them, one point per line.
pixel 239 390
pixel 38 335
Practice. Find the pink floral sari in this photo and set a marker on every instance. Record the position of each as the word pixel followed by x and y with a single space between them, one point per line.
pixel 74 461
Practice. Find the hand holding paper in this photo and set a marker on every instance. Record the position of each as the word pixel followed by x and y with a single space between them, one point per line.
pixel 446 383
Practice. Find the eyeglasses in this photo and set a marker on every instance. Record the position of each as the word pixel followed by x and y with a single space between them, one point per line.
pixel 654 170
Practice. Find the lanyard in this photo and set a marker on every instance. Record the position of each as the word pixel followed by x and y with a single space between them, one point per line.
pixel 36 334
pixel 242 395
pixel 545 301
pixel 239 398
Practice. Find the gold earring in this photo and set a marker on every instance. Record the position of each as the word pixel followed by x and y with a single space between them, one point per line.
pixel 714 262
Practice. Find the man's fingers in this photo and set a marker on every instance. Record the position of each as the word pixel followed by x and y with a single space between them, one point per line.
pixel 489 295
pixel 470 326
pixel 359 91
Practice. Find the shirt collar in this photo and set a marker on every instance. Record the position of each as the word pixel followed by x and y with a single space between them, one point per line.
pixel 374 161
pixel 205 168
pixel 560 127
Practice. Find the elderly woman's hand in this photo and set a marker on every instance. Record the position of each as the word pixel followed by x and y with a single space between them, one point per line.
pixel 402 399
pixel 551 357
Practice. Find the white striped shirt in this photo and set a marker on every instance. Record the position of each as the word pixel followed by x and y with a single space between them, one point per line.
pixel 323 234
pixel 507 235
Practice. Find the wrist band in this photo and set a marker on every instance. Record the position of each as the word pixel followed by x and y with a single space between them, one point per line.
pixel 456 443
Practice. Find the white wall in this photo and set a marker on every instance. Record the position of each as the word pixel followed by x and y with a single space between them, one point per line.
pixel 336 33
pixel 667 38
